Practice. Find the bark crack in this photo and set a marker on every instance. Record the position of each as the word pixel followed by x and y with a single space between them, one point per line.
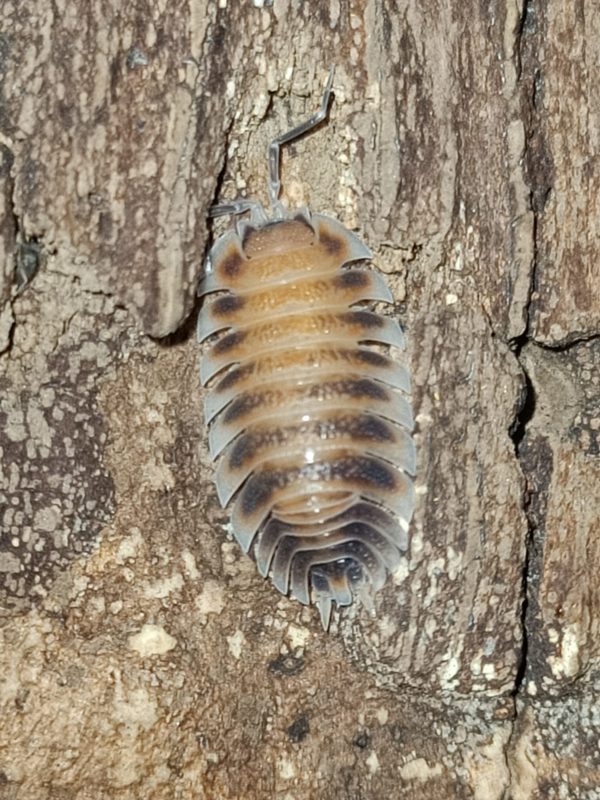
pixel 220 180
pixel 24 253
pixel 523 416
pixel 526 405
pixel 27 249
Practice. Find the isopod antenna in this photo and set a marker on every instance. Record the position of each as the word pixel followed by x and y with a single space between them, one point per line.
pixel 289 136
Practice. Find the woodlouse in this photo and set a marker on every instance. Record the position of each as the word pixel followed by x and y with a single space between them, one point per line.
pixel 309 421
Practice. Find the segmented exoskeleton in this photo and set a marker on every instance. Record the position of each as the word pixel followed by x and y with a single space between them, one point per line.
pixel 309 423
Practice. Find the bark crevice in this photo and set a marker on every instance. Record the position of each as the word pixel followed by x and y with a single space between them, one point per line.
pixel 522 418
pixel 528 78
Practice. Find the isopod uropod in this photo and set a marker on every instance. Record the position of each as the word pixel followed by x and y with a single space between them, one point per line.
pixel 309 418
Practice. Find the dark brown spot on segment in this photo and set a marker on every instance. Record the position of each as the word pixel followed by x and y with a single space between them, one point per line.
pixel 352 279
pixel 366 319
pixel 334 245
pixel 242 405
pixel 234 376
pixel 241 451
pixel 366 426
pixel 372 358
pixel 258 490
pixel 351 387
pixel 364 387
pixel 271 436
pixel 229 342
pixel 227 304
pixel 231 264
pixel 365 471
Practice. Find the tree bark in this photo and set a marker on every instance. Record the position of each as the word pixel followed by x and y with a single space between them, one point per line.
pixel 142 655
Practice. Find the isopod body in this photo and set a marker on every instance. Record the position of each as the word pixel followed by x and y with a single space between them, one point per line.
pixel 309 417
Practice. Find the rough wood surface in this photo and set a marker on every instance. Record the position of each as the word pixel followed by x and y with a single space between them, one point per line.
pixel 141 654
pixel 560 55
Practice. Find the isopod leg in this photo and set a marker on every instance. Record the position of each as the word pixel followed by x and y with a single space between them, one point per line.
pixel 235 207
pixel 289 136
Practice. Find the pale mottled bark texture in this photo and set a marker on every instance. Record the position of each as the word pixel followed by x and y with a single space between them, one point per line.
pixel 141 654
